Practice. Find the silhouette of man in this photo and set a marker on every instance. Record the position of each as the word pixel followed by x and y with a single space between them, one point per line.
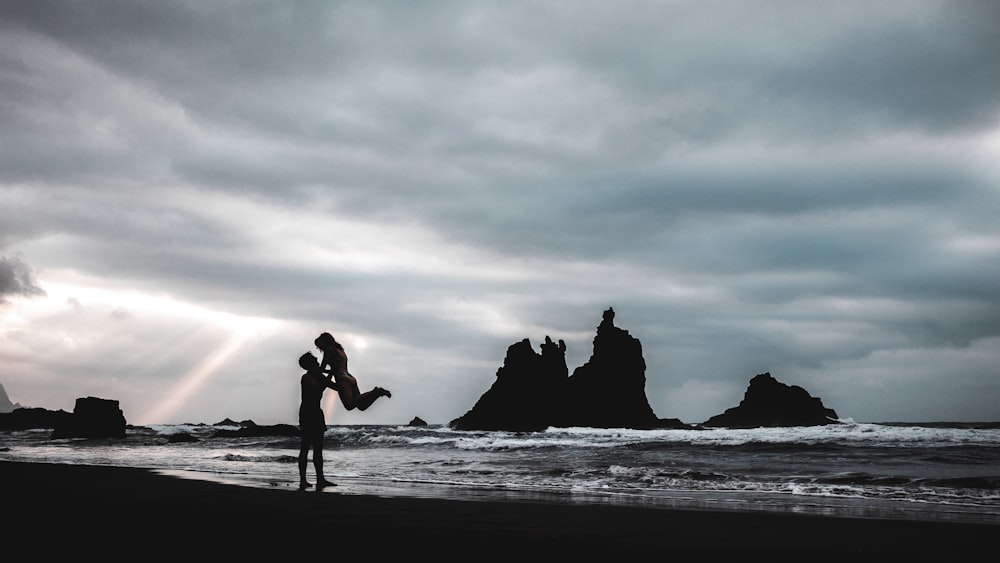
pixel 312 422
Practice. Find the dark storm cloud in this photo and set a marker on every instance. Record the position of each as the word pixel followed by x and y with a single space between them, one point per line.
pixel 795 187
pixel 414 81
pixel 17 278
pixel 933 70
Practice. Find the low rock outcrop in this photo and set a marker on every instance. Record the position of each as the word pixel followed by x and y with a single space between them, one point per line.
pixel 768 402
pixel 533 390
pixel 181 438
pixel 249 428
pixel 33 418
pixel 93 418
pixel 417 421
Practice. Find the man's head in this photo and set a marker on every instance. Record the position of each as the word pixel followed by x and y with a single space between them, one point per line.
pixel 308 362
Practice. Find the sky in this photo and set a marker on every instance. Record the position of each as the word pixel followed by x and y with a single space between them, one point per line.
pixel 191 191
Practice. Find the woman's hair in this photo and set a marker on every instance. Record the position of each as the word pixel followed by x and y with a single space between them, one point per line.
pixel 326 340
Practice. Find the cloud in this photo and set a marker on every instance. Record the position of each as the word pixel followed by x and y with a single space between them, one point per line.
pixel 797 188
pixel 17 278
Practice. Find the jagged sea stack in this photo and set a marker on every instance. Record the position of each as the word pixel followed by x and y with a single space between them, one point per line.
pixel 533 391
pixel 529 392
pixel 609 391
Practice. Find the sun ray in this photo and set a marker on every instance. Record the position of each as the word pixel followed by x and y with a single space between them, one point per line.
pixel 194 379
pixel 148 310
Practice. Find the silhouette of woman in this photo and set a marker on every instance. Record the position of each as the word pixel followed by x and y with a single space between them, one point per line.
pixel 335 363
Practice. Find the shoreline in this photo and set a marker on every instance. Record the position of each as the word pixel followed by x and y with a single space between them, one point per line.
pixel 712 501
pixel 85 507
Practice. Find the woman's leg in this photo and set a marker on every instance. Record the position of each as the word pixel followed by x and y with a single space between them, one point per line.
pixel 364 400
pixel 352 397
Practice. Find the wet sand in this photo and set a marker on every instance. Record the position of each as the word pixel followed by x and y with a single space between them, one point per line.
pixel 55 510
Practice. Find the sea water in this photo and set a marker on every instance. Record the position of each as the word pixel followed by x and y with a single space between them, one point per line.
pixel 933 471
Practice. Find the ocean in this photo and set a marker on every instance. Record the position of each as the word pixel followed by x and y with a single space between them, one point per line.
pixel 934 471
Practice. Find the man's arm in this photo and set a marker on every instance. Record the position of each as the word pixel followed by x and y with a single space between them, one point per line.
pixel 320 378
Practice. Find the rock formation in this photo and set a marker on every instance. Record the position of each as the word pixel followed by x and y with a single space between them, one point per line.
pixel 768 402
pixel 93 418
pixel 533 390
pixel 6 405
pixel 250 429
pixel 528 394
pixel 610 389
pixel 417 421
pixel 33 418
pixel 181 438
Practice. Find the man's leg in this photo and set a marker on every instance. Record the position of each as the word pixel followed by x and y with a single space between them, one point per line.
pixel 303 460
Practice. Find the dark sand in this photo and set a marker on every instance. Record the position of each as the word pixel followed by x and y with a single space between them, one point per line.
pixel 133 513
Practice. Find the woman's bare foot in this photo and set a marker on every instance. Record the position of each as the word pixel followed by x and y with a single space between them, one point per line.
pixel 304 485
pixel 323 483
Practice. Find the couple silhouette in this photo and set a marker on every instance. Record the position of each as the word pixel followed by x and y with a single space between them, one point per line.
pixel 330 373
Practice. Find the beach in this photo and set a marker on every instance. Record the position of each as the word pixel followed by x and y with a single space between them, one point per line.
pixel 77 509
